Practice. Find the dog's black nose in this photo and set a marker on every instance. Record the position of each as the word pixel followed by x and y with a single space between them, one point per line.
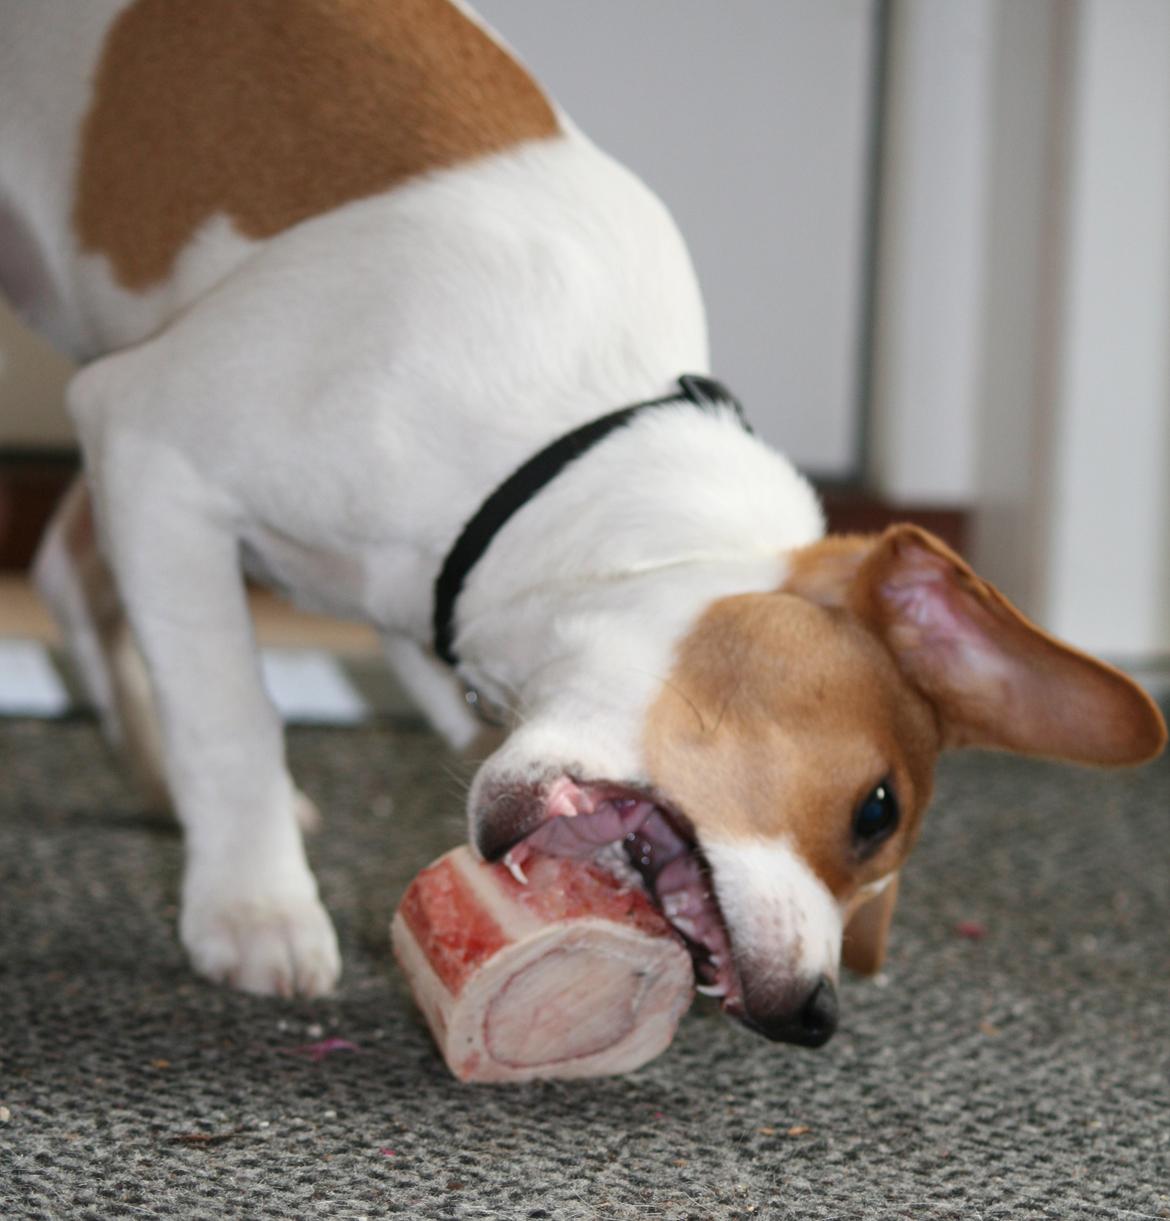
pixel 818 1018
pixel 809 1023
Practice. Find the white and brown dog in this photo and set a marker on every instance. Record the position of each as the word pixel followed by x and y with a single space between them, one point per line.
pixel 336 269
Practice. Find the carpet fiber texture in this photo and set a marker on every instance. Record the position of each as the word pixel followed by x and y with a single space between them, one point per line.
pixel 1012 1061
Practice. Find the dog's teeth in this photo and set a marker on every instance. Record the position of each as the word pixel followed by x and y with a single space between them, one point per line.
pixel 674 905
pixel 515 870
pixel 718 990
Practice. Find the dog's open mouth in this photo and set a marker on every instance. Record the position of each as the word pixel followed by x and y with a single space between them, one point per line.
pixel 634 837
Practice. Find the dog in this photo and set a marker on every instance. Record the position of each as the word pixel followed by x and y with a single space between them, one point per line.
pixel 361 314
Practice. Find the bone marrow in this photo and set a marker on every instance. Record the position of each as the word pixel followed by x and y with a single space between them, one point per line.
pixel 571 973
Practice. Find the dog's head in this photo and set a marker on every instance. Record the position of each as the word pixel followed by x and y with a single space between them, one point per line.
pixel 787 761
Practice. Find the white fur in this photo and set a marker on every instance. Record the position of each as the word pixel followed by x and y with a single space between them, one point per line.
pixel 634 542
pixel 871 890
pixel 784 922
pixel 336 402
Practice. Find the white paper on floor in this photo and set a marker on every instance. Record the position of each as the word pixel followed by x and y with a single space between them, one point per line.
pixel 29 683
pixel 306 685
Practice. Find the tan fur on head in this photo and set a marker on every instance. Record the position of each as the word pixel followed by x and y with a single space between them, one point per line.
pixel 785 710
pixel 209 107
pixel 780 717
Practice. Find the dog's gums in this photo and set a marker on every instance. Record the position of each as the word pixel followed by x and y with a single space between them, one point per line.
pixel 630 834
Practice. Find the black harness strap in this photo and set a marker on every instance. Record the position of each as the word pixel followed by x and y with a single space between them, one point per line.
pixel 541 469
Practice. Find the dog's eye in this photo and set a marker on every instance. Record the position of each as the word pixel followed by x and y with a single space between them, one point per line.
pixel 876 817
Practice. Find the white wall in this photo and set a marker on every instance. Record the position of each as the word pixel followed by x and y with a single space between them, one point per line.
pixel 749 118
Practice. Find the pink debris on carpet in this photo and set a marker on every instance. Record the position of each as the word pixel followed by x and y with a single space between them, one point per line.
pixel 318 1051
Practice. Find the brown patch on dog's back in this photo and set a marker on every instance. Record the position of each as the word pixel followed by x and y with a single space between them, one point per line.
pixel 779 717
pixel 272 111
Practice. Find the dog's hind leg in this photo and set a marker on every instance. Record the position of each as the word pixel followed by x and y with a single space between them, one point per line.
pixel 75 581
pixel 73 578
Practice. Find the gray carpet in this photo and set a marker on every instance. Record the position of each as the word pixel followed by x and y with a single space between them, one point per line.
pixel 1023 1074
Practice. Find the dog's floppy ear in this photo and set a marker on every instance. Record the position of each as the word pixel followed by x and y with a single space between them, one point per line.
pixel 995 679
pixel 867 929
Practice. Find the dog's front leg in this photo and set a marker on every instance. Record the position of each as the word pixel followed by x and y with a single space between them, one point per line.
pixel 250 910
pixel 436 691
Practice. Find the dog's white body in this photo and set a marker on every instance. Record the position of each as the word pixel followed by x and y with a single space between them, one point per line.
pixel 332 403
pixel 330 432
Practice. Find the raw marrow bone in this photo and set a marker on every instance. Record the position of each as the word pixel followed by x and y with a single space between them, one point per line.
pixel 573 974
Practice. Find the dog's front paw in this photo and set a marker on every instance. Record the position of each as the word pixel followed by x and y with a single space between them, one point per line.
pixel 270 944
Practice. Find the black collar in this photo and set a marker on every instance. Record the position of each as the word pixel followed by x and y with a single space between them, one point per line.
pixel 542 468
